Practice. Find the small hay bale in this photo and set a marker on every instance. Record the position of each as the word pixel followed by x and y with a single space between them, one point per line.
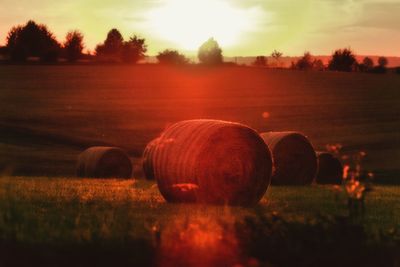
pixel 330 169
pixel 146 159
pixel 104 162
pixel 210 161
pixel 295 161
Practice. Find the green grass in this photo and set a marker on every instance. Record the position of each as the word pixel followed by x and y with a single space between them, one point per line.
pixel 41 209
pixel 93 222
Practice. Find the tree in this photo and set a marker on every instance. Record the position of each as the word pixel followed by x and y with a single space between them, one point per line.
pixel 134 49
pixel 382 62
pixel 318 65
pixel 342 60
pixel 305 62
pixel 260 61
pixel 210 53
pixel 73 45
pixel 276 55
pixel 367 65
pixel 172 57
pixel 32 40
pixel 112 46
pixel 381 68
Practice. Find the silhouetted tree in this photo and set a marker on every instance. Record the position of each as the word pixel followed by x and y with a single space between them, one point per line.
pixel 305 62
pixel 383 62
pixel 367 65
pixel 318 65
pixel 14 46
pixel 276 55
pixel 32 40
pixel 308 62
pixel 210 53
pixel 381 68
pixel 171 57
pixel 260 61
pixel 342 60
pixel 73 45
pixel 112 46
pixel 134 49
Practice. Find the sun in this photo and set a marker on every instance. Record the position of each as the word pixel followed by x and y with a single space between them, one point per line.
pixel 188 23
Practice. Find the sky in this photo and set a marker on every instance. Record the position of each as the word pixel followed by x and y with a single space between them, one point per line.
pixel 242 27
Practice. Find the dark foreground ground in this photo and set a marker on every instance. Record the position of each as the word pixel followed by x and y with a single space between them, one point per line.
pixel 89 222
pixel 48 114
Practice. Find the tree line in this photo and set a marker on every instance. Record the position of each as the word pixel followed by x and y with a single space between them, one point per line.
pixel 341 60
pixel 34 40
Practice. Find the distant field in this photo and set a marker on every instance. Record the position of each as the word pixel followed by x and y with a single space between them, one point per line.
pixel 48 114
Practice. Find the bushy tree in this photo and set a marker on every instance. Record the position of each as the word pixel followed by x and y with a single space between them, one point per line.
pixel 342 60
pixel 32 40
pixel 383 62
pixel 305 62
pixel 115 48
pixel 381 68
pixel 260 61
pixel 73 45
pixel 367 65
pixel 210 53
pixel 112 46
pixel 318 65
pixel 171 57
pixel 134 49
pixel 308 62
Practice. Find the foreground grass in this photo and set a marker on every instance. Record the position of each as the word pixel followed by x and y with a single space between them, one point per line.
pixel 89 222
pixel 74 210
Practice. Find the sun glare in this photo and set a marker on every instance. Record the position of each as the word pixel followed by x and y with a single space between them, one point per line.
pixel 188 23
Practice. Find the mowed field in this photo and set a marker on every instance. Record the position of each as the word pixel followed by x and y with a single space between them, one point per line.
pixel 49 114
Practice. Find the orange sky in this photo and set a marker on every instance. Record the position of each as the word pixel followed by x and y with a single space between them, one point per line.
pixel 246 27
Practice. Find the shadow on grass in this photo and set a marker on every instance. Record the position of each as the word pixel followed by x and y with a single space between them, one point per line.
pixel 131 253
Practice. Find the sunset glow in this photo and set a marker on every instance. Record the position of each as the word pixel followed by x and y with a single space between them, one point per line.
pixel 242 28
pixel 189 23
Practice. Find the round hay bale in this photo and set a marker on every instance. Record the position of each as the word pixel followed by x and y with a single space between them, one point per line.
pixel 330 169
pixel 211 161
pixel 146 159
pixel 104 162
pixel 295 161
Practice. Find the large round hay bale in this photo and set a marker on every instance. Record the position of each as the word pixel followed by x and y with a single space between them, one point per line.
pixel 211 161
pixel 295 161
pixel 330 169
pixel 104 162
pixel 146 159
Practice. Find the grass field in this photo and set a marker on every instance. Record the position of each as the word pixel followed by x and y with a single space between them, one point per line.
pixel 58 217
pixel 48 114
